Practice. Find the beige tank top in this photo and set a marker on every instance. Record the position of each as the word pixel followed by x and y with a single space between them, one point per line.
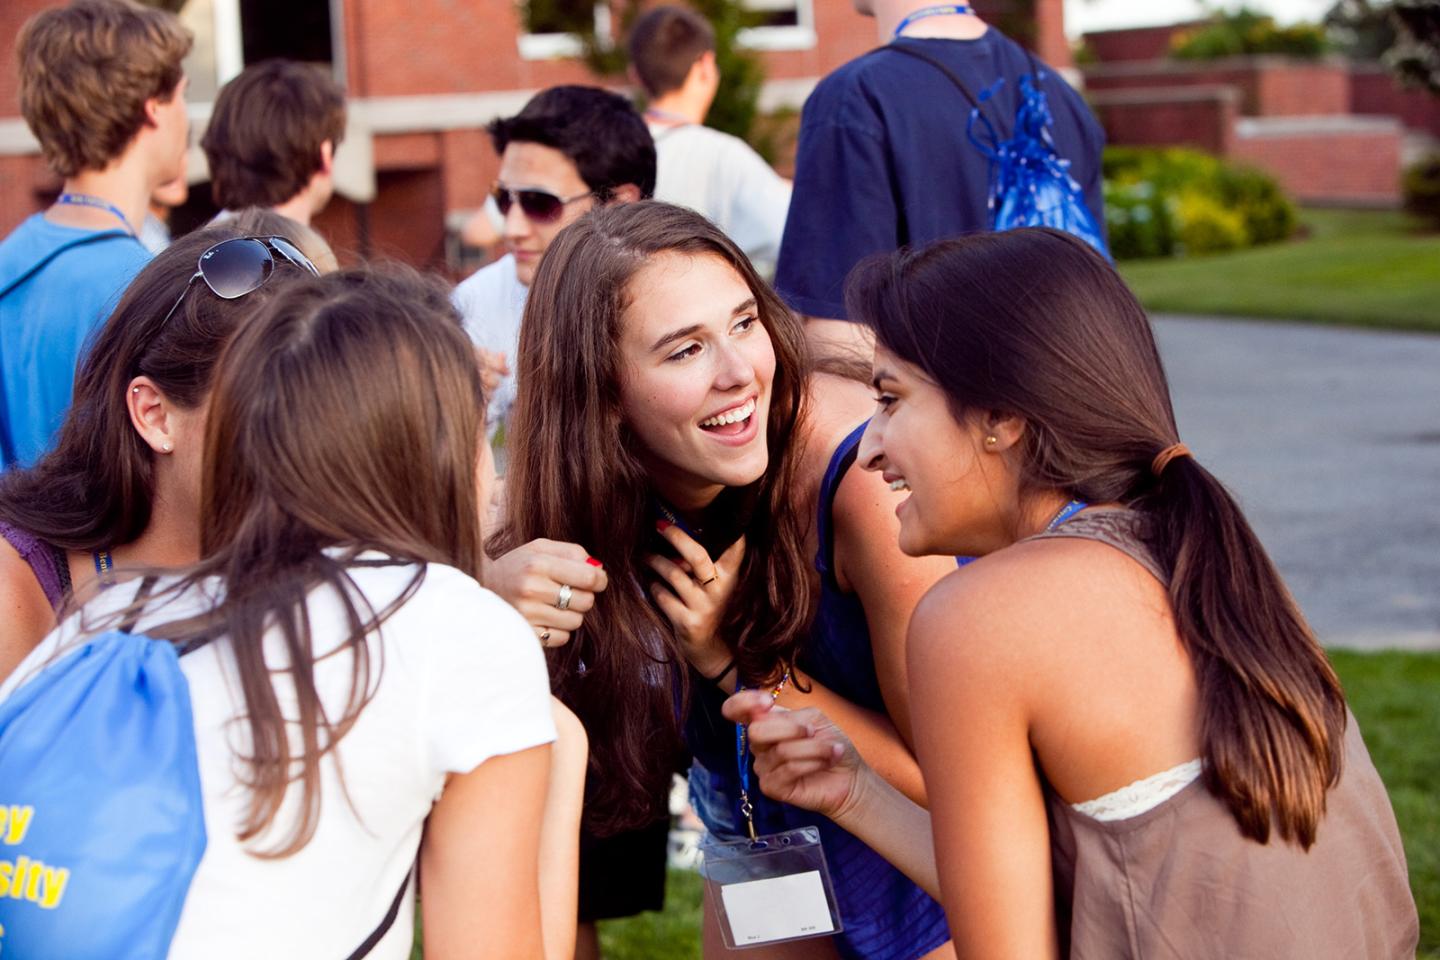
pixel 1181 881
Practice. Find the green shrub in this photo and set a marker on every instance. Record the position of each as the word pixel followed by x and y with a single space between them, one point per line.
pixel 1268 214
pixel 1174 202
pixel 1247 32
pixel 1204 225
pixel 1140 219
pixel 1422 188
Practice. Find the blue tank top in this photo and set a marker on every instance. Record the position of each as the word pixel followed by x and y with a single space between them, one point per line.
pixel 886 916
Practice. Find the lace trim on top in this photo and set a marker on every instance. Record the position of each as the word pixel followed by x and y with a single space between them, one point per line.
pixel 1142 795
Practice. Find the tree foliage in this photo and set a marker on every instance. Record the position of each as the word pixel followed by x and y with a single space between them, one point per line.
pixel 1246 32
pixel 737 102
pixel 1403 34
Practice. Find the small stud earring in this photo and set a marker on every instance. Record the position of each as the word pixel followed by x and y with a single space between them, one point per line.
pixel 167 446
pixel 991 441
pixel 134 389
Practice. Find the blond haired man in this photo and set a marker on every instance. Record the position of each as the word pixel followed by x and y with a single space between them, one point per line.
pixel 102 89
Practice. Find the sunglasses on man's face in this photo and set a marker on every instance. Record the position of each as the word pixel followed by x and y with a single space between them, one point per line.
pixel 233 268
pixel 539 206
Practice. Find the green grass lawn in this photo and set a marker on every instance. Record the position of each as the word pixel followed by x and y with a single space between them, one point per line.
pixel 672 935
pixel 1354 268
pixel 1396 698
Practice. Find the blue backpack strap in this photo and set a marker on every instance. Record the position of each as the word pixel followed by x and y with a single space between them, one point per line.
pixel 912 52
pixel 44 261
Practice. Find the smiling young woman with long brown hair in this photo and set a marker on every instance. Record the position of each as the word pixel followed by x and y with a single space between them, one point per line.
pixel 1134 745
pixel 667 422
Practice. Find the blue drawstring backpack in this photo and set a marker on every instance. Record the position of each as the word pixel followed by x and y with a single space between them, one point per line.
pixel 102 821
pixel 1030 183
pixel 101 818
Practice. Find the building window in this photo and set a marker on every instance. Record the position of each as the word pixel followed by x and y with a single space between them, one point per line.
pixel 232 33
pixel 289 29
pixel 785 25
pixel 553 28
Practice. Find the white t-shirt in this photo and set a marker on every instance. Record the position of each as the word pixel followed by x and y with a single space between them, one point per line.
pixel 492 300
pixel 458 679
pixel 723 178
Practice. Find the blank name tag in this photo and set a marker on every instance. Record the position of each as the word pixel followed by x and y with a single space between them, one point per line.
pixel 777 908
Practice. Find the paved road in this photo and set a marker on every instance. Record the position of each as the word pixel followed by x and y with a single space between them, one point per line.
pixel 1331 441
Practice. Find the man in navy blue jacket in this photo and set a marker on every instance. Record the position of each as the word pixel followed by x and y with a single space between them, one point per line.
pixel 884 160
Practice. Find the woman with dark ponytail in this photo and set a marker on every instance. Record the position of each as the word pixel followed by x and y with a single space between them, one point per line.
pixel 1132 743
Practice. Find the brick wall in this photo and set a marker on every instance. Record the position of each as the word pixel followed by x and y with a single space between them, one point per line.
pixel 13 14
pixel 1140 43
pixel 1268 86
pixel 1330 160
pixel 25 181
pixel 1199 117
pixel 1374 91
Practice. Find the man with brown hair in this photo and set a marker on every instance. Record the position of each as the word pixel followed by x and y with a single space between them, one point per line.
pixel 102 89
pixel 672 55
pixel 271 140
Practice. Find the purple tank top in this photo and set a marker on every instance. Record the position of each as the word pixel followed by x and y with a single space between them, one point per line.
pixel 46 560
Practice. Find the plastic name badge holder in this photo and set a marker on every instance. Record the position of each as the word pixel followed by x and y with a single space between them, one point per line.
pixel 771 889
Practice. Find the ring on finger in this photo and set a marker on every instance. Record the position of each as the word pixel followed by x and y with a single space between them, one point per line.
pixel 562 601
pixel 713 578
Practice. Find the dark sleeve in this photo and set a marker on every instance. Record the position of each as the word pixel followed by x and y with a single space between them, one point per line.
pixel 1087 155
pixel 843 209
pixel 1094 184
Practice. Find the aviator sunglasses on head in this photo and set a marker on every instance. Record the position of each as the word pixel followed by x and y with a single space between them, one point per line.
pixel 541 206
pixel 235 267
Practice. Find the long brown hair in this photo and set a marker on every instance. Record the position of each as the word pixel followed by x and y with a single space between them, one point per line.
pixel 575 475
pixel 347 414
pixel 1034 323
pixel 94 489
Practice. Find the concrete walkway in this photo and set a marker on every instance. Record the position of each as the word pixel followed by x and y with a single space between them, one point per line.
pixel 1330 439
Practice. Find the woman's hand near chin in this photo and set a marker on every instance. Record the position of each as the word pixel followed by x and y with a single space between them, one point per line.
pixel 801 757
pixel 536 577
pixel 692 594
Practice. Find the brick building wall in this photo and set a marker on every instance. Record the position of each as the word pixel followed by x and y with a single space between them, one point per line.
pixel 1135 44
pixel 1202 118
pixel 1341 160
pixel 1268 86
pixel 1374 91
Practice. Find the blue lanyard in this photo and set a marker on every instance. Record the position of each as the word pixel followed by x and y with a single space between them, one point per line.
pixel 945 10
pixel 86 200
pixel 742 760
pixel 1071 508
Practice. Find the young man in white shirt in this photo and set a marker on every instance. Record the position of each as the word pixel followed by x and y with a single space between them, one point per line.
pixel 571 148
pixel 672 55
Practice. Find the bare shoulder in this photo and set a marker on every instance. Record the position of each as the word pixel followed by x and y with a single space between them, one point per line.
pixel 1037 610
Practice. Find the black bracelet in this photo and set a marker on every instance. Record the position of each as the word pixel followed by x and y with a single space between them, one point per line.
pixel 721 675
